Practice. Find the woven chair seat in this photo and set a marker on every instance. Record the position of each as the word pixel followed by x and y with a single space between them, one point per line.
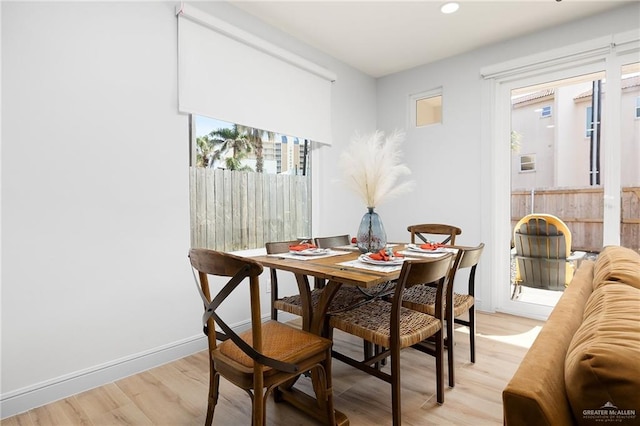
pixel 423 298
pixel 372 322
pixel 462 303
pixel 347 297
pixel 279 341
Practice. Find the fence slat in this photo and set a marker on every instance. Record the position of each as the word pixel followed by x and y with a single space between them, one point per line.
pixel 582 209
pixel 238 210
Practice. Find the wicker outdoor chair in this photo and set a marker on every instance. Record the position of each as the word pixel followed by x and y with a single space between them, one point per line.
pixel 542 244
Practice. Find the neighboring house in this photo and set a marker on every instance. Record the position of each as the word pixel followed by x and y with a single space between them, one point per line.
pixel 554 131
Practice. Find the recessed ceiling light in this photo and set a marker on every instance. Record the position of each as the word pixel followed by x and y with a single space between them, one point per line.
pixel 449 7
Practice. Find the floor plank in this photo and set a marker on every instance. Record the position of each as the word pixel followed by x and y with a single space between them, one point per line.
pixel 176 393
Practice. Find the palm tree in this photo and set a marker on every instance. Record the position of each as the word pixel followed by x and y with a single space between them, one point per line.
pixel 206 153
pixel 255 139
pixel 233 139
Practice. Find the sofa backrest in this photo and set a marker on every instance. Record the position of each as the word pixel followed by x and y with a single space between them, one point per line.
pixel 536 394
pixel 617 264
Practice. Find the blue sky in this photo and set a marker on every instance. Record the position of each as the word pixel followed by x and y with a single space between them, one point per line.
pixel 205 125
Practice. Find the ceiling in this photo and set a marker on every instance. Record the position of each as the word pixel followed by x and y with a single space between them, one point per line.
pixel 384 37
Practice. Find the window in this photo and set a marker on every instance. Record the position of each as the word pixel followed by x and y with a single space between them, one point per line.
pixel 589 122
pixel 248 186
pixel 546 112
pixel 528 163
pixel 426 108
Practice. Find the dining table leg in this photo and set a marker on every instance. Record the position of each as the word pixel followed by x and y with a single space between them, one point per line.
pixel 313 320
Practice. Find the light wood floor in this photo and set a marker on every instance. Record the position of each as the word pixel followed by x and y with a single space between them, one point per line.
pixel 176 393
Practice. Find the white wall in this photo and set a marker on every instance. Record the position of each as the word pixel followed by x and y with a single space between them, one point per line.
pixel 95 211
pixel 449 161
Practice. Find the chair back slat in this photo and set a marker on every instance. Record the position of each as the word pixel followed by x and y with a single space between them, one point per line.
pixel 222 264
pixel 333 241
pixel 275 247
pixel 422 231
pixel 471 256
pixel 416 272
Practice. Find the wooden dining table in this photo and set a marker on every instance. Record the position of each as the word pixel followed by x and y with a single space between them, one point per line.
pixel 340 266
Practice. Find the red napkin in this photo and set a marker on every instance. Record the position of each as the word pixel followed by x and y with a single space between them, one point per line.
pixel 431 246
pixel 302 246
pixel 385 255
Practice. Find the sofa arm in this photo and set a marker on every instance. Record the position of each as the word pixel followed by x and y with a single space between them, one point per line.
pixel 536 393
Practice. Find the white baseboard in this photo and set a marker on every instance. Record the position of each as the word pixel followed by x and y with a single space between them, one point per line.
pixel 30 397
pixel 25 399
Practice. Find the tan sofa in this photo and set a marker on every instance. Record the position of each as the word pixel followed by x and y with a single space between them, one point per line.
pixel 584 366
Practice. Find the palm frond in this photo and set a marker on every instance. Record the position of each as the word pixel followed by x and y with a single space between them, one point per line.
pixel 371 166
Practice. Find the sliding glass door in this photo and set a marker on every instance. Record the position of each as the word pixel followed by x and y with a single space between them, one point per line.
pixel 568 146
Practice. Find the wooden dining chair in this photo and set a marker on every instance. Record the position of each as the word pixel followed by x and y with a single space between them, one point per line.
pixel 355 294
pixel 332 241
pixel 346 296
pixel 276 302
pixel 423 298
pixel 263 357
pixel 393 327
pixel 327 243
pixel 422 231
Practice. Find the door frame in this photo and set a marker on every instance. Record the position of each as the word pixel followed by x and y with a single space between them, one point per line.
pixel 602 54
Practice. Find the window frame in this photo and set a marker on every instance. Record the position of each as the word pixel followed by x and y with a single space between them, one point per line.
pixel 265 201
pixel 425 96
pixel 588 122
pixel 532 161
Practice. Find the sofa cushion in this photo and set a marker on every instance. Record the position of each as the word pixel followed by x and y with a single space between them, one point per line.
pixel 617 264
pixel 601 365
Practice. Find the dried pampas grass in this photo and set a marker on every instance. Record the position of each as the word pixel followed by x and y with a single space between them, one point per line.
pixel 371 165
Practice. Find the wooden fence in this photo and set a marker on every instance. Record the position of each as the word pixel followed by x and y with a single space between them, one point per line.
pixel 582 210
pixel 233 210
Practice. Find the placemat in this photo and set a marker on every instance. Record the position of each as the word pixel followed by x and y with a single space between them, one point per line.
pixel 361 265
pixel 288 255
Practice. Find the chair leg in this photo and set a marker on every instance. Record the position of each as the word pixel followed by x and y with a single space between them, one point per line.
pixel 472 332
pixel 439 366
pixel 326 397
pixel 367 349
pixel 396 404
pixel 214 384
pixel 258 415
pixel 379 349
pixel 450 349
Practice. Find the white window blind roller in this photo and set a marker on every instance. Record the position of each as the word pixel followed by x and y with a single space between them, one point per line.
pixel 224 78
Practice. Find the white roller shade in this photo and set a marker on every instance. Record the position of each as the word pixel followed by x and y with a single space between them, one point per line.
pixel 229 74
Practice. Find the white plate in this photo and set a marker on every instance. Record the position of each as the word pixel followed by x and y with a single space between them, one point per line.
pixel 310 252
pixel 394 262
pixel 417 248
